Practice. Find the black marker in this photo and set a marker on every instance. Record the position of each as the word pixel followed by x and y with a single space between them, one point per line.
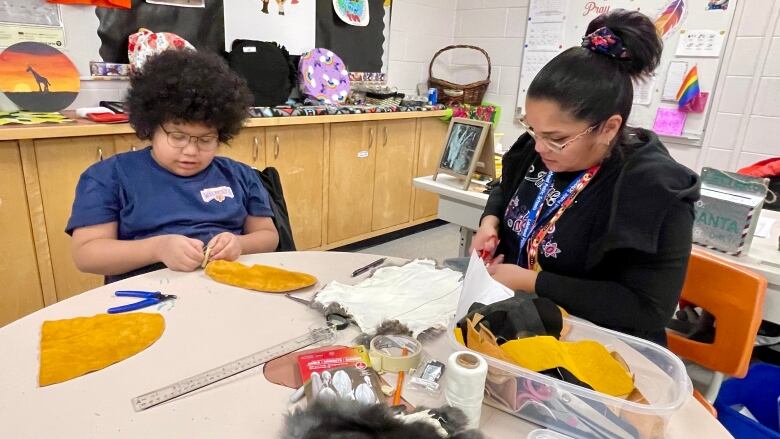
pixel 362 270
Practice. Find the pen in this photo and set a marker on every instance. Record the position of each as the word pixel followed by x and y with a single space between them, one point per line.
pixel 362 270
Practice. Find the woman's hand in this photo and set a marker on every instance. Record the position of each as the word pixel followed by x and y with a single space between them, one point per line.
pixel 180 253
pixel 513 276
pixel 225 246
pixel 486 238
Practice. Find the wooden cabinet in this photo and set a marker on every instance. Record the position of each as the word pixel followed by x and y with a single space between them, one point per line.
pixel 129 142
pixel 298 153
pixel 393 177
pixel 60 163
pixel 432 135
pixel 247 147
pixel 351 179
pixel 21 291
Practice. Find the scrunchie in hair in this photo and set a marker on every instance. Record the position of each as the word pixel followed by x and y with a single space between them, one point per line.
pixel 605 42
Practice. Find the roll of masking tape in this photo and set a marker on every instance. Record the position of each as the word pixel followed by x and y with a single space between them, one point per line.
pixel 394 353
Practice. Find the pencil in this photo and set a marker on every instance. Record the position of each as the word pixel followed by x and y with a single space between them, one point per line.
pixel 399 383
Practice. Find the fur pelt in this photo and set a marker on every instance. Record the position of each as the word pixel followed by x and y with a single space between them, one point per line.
pixel 347 419
pixel 387 327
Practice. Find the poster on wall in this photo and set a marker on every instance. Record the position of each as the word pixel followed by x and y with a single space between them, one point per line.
pixel 290 23
pixel 31 20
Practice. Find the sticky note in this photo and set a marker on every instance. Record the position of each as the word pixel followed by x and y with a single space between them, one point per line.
pixel 669 122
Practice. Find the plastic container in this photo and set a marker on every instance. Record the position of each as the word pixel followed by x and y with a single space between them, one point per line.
pixel 759 392
pixel 660 376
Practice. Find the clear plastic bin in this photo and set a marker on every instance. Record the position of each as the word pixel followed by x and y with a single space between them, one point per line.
pixel 660 377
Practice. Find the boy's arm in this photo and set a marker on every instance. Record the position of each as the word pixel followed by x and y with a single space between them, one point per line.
pixel 96 249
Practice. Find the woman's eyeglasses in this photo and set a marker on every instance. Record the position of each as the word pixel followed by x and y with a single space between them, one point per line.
pixel 180 140
pixel 551 144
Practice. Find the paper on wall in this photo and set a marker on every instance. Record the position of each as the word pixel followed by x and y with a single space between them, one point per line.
pixel 546 11
pixel 31 20
pixel 643 90
pixel 674 78
pixel 669 122
pixel 544 36
pixel 700 43
pixel 245 19
pixel 532 63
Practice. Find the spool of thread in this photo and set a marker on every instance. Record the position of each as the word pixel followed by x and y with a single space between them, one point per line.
pixel 465 384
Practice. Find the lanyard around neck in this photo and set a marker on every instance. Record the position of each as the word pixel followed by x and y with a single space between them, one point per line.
pixel 536 216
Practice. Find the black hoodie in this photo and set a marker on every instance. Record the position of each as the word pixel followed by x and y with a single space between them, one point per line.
pixel 618 256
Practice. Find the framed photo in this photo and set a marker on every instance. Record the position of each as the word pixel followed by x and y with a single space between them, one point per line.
pixel 464 151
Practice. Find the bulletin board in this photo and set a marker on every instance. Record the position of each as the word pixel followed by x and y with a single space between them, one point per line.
pixel 695 34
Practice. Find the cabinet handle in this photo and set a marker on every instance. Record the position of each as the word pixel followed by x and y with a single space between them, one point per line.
pixel 370 137
pixel 385 142
pixel 276 146
pixel 100 153
pixel 255 149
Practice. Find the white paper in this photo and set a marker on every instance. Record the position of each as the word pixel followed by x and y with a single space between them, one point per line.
pixel 641 116
pixel 180 3
pixel 545 11
pixel 479 286
pixel 544 36
pixel 643 90
pixel 674 78
pixel 532 63
pixel 700 43
pixel 764 227
pixel 32 12
pixel 295 29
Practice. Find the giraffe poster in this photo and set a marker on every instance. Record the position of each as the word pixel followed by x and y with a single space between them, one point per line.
pixel 38 77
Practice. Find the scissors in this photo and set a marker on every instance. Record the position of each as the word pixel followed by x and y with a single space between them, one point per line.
pixel 552 406
pixel 334 319
pixel 484 254
pixel 150 298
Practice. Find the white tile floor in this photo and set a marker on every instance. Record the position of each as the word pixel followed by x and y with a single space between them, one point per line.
pixel 438 243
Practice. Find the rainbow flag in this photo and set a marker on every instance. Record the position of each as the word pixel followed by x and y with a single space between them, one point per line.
pixel 689 89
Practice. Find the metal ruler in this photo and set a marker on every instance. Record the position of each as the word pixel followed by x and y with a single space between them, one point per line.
pixel 212 376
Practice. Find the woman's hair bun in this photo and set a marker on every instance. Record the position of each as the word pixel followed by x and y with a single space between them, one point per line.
pixel 639 38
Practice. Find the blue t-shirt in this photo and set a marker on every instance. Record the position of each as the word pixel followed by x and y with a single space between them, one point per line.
pixel 147 200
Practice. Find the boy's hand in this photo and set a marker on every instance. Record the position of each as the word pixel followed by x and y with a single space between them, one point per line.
pixel 180 253
pixel 225 246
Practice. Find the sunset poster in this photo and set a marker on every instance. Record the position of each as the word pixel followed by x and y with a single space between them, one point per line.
pixel 37 77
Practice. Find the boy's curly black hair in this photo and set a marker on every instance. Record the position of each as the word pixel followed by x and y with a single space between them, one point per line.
pixel 187 86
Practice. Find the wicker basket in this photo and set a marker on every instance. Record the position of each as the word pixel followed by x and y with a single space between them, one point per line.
pixel 459 94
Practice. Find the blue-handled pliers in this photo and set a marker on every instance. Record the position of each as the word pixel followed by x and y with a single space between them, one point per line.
pixel 150 298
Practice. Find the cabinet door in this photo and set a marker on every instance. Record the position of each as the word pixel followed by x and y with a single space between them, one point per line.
pixel 351 179
pixel 129 142
pixel 247 147
pixel 297 152
pixel 432 135
pixel 21 292
pixel 393 179
pixel 60 163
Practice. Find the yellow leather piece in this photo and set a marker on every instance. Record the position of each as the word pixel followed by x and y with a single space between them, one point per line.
pixel 74 347
pixel 258 277
pixel 588 360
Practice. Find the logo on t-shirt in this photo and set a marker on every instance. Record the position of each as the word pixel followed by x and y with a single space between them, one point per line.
pixel 216 193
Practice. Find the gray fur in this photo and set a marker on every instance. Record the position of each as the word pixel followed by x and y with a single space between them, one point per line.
pixel 343 419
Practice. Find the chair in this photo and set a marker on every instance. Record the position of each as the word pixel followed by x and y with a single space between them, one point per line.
pixel 735 297
pixel 269 177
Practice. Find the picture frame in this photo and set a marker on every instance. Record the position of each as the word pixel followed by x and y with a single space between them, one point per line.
pixel 464 150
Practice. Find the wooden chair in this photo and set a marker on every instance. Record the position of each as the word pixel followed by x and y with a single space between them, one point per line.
pixel 735 296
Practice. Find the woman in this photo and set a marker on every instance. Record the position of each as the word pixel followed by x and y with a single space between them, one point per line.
pixel 161 206
pixel 590 213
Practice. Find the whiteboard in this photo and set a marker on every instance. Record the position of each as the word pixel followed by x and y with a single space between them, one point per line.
pixel 555 25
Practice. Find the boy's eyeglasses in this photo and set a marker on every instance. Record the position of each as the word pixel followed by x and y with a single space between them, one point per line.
pixel 180 140
pixel 551 144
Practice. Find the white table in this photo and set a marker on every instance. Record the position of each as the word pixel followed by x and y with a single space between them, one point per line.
pixel 210 324
pixel 464 208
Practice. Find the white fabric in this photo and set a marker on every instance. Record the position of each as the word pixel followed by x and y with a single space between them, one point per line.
pixel 417 294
